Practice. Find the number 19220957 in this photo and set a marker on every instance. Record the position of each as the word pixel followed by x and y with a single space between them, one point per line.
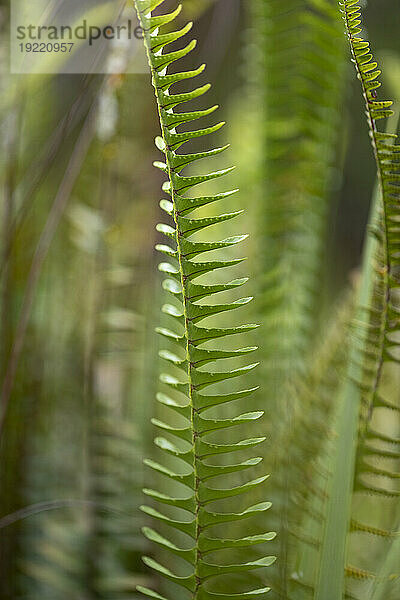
pixel 47 47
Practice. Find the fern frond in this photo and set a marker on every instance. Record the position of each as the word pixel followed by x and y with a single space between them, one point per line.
pixel 310 445
pixel 301 52
pixel 304 72
pixel 377 466
pixel 113 539
pixel 382 336
pixel 376 325
pixel 191 447
pixel 88 554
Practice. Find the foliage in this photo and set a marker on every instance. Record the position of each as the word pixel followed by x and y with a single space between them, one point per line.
pixel 353 463
pixel 187 312
pixel 80 297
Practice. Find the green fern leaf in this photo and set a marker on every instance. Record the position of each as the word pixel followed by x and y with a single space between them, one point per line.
pixel 384 320
pixel 374 343
pixel 301 49
pixel 303 70
pixel 192 447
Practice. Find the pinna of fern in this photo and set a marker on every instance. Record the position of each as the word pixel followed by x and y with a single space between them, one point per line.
pixel 190 444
